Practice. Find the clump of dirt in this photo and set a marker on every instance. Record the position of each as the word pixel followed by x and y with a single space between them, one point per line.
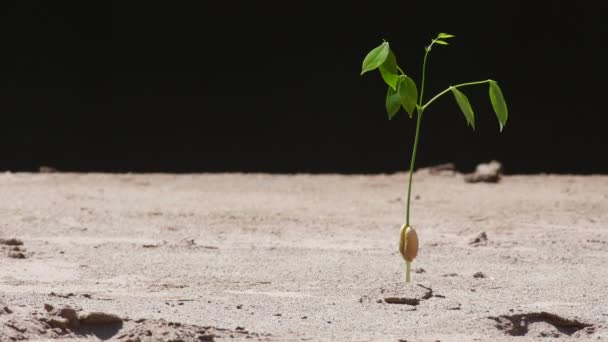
pixel 66 322
pixel 184 243
pixel 452 305
pixel 69 294
pixel 442 169
pixel 67 317
pixel 541 324
pixel 47 169
pixel 161 330
pixel 479 275
pixel 489 173
pixel 11 242
pixel 13 248
pixel 62 322
pixel 480 240
pixel 399 293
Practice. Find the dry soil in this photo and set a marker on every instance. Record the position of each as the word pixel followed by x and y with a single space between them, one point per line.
pixel 153 257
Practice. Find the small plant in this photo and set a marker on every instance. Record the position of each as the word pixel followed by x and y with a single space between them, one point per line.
pixel 403 93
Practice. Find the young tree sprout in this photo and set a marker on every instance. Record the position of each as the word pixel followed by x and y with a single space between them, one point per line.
pixel 403 93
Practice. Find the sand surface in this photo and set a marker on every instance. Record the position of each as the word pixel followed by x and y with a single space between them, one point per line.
pixel 131 257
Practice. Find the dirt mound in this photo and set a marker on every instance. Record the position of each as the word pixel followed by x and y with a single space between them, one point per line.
pixel 66 322
pixel 399 293
pixel 161 330
pixel 541 324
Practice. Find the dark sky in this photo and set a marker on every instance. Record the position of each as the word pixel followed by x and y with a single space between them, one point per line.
pixel 244 86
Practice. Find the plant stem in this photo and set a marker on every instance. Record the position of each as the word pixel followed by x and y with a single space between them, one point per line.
pixel 412 162
pixel 419 111
pixel 450 88
pixel 407 271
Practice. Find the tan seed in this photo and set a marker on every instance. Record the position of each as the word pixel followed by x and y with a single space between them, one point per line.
pixel 408 243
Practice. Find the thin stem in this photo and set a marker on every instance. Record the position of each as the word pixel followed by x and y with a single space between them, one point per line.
pixel 408 266
pixel 419 111
pixel 450 89
pixel 409 185
pixel 426 54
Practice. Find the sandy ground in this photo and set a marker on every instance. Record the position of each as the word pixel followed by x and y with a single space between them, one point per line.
pixel 301 257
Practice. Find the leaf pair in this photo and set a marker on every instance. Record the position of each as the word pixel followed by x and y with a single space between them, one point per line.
pixel 405 95
pixel 439 40
pixel 402 90
pixel 496 98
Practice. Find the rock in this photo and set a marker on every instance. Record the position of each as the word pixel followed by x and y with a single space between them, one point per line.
pixel 16 255
pixel 402 300
pixel 442 168
pixel 489 173
pixel 62 318
pixel 479 275
pixel 188 243
pixel 480 240
pixel 69 314
pixel 98 318
pixel 66 295
pixel 57 322
pixel 453 306
pixel 11 242
pixel 7 310
pixel 46 169
pixel 450 275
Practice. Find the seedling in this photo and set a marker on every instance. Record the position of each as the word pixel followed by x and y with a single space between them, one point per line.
pixel 403 93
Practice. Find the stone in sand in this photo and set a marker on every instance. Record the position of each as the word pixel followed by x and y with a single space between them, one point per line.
pixel 480 240
pixel 489 173
pixel 16 255
pixel 70 314
pixel 99 318
pixel 11 242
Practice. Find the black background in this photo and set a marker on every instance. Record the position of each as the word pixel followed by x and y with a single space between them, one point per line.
pixel 275 87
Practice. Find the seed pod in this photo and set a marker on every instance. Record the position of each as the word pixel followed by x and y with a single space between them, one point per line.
pixel 408 243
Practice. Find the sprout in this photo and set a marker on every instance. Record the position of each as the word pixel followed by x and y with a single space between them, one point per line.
pixel 402 92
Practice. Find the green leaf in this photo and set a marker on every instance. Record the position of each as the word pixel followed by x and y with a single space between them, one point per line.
pixel 408 94
pixel 445 35
pixel 375 58
pixel 499 104
pixel 465 106
pixel 441 42
pixel 393 102
pixel 388 70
